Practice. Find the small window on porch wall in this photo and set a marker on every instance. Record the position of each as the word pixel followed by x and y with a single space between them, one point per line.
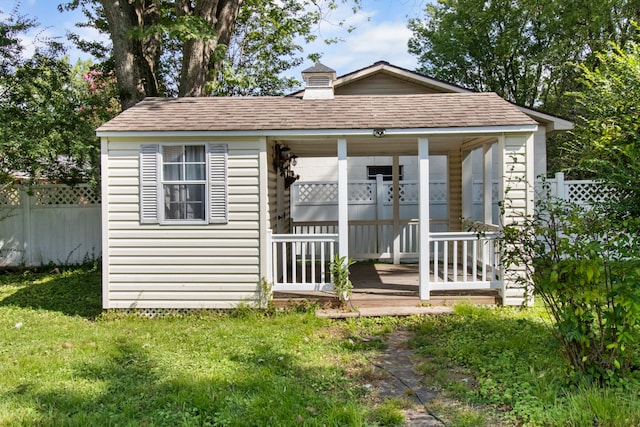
pixel 385 171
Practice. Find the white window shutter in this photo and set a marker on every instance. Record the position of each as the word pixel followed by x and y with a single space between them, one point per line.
pixel 149 182
pixel 218 208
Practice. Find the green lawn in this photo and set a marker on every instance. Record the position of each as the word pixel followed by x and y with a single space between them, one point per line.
pixel 65 362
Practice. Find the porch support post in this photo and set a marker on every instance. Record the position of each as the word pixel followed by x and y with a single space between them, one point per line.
pixel 423 216
pixel 395 171
pixel 487 181
pixel 517 190
pixel 467 185
pixel 343 200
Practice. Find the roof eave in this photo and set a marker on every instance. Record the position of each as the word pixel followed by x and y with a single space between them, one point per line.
pixel 552 123
pixel 324 133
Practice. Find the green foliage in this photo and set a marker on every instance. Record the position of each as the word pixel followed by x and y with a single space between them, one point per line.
pixel 73 291
pixel 339 269
pixel 266 40
pixel 521 49
pixel 265 44
pixel 389 413
pixel 48 114
pixel 608 135
pixel 585 266
pixel 509 359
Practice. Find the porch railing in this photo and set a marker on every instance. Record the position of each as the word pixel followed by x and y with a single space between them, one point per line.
pixel 373 239
pixel 457 261
pixel 301 262
pixel 464 260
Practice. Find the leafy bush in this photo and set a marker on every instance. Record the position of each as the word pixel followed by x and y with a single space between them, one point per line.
pixel 585 266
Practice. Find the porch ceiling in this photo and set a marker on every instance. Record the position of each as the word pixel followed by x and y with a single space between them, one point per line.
pixel 385 146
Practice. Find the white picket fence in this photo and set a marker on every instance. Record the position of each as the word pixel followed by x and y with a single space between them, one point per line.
pixel 55 224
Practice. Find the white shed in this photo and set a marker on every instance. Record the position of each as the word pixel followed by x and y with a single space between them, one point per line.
pixel 195 191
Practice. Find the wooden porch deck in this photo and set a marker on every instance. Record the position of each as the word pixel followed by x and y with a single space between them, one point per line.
pixel 387 285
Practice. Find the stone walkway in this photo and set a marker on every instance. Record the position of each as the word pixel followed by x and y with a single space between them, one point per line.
pixel 404 382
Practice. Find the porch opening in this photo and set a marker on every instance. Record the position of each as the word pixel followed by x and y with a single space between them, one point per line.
pixel 379 233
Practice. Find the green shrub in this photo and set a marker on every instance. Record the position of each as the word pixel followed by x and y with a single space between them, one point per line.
pixel 585 266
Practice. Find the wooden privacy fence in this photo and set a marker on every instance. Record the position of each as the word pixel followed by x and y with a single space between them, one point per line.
pixel 52 223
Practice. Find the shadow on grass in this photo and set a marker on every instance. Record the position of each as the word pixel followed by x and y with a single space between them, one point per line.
pixel 132 388
pixel 74 292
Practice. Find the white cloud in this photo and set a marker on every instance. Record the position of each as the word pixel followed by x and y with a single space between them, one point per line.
pixel 384 41
pixel 374 39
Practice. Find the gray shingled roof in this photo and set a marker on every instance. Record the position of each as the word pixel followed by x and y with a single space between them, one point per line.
pixel 319 68
pixel 342 112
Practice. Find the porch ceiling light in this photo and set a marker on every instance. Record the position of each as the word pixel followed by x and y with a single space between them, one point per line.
pixel 379 133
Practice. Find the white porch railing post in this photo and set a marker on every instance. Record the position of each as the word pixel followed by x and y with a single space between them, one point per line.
pixel 395 170
pixel 561 188
pixel 270 261
pixel 423 215
pixel 343 200
pixel 381 196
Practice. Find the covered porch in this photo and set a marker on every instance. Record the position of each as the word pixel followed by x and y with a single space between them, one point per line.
pixel 434 264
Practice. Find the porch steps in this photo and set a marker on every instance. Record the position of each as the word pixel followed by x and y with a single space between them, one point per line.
pixel 336 313
pixel 387 301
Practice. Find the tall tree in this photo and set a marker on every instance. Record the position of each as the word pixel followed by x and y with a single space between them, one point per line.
pixel 191 38
pixel 521 49
pixel 48 113
pixel 266 43
pixel 608 134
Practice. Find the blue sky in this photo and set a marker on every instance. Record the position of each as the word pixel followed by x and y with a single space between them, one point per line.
pixel 381 32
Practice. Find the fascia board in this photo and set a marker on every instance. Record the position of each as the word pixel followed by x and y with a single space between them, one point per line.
pixel 326 133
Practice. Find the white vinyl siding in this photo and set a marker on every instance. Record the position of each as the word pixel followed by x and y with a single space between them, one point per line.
pixel 517 187
pixel 382 84
pixel 214 265
pixel 454 187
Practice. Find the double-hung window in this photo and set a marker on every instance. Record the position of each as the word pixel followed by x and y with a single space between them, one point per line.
pixel 183 183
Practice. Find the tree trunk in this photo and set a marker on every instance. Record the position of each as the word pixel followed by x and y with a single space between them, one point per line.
pixel 137 57
pixel 197 61
pixel 135 66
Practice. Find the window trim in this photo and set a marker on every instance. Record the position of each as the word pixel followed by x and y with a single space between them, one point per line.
pixel 162 182
pixel 150 184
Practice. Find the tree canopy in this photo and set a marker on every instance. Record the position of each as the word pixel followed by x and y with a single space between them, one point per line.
pixel 220 47
pixel 48 111
pixel 608 134
pixel 524 50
